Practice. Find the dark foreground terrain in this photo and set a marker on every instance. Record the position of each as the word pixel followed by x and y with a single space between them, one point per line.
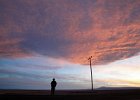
pixel 72 95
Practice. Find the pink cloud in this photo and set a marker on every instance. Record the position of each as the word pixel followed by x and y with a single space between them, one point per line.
pixel 72 30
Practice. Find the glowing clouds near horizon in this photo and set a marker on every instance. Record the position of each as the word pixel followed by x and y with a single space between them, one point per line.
pixel 74 30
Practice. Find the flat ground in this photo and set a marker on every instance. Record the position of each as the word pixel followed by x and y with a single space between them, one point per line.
pixel 71 94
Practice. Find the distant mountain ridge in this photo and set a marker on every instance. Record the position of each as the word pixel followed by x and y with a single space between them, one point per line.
pixel 116 88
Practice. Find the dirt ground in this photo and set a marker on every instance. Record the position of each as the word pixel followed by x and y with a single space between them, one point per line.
pixel 72 95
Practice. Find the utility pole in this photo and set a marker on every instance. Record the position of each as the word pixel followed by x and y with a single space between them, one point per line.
pixel 91 72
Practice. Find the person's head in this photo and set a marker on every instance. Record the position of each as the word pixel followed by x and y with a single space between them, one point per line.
pixel 53 79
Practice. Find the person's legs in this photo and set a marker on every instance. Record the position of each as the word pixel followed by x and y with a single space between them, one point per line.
pixel 52 90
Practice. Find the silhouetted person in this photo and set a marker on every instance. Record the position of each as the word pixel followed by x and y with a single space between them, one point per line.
pixel 53 85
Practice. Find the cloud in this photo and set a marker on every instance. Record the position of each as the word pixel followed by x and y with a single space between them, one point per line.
pixel 22 77
pixel 10 47
pixel 73 30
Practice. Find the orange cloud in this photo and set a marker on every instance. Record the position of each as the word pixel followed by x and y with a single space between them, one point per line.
pixel 109 38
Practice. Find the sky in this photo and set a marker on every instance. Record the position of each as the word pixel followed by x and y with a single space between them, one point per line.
pixel 45 39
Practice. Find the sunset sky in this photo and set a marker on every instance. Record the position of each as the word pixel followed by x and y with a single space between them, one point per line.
pixel 45 39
